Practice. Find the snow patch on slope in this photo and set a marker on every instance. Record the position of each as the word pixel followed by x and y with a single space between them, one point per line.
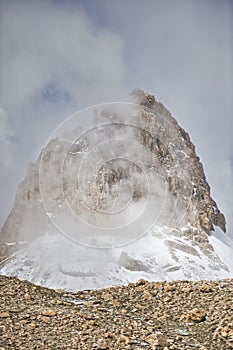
pixel 54 261
pixel 223 246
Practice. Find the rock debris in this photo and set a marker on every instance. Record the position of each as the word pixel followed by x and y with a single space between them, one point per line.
pixel 144 315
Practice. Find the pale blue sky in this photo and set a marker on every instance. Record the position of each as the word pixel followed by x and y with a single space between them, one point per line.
pixel 60 56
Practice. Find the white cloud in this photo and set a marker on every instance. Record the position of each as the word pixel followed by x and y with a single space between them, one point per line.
pixel 44 44
pixel 183 51
pixel 6 133
pixel 59 56
pixel 54 60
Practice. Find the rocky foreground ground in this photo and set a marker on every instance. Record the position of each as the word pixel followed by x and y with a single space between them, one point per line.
pixel 144 315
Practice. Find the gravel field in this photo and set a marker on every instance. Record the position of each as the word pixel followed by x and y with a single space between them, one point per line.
pixel 143 315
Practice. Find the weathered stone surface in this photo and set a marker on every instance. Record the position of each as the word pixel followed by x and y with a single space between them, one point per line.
pixel 194 315
pixel 102 344
pixel 49 313
pixel 203 212
pixel 136 322
pixel 156 340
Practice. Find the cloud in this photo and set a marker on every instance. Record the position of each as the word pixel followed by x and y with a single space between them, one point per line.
pixel 183 51
pixel 54 60
pixel 45 45
pixel 6 134
pixel 59 56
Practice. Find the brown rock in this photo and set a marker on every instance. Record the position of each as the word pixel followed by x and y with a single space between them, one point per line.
pixel 141 282
pixel 169 288
pixel 147 295
pixel 167 299
pixel 187 289
pixel 24 321
pixel 27 296
pixel 194 315
pixel 102 344
pixel 3 329
pixel 4 314
pixel 107 296
pixel 156 339
pixel 227 332
pixel 205 288
pixel 32 325
pixel 123 339
pixel 45 319
pixel 49 313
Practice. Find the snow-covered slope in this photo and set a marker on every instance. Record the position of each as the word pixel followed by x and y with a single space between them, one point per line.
pixel 163 254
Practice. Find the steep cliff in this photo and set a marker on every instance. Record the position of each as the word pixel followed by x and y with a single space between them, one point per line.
pixel 178 157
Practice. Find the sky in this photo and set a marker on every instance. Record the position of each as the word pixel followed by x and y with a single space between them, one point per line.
pixel 60 56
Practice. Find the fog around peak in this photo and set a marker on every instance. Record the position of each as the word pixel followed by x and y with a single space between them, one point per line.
pixel 60 56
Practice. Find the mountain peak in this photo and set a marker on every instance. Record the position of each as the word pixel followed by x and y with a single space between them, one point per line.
pixel 129 178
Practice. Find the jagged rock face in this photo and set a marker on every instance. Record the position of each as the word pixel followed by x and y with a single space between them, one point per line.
pixel 168 154
pixel 203 211
pixel 28 214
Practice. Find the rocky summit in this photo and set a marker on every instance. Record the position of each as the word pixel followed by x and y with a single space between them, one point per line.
pixel 180 155
pixel 117 193
pixel 175 158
